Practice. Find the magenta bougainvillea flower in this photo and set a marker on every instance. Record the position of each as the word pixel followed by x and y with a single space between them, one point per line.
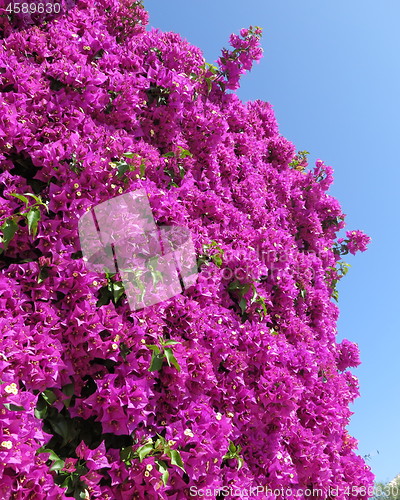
pixel 237 382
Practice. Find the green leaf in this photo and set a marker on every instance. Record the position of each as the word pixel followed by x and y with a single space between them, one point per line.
pixel 171 175
pixel 241 288
pixel 61 427
pixel 13 407
pixel 57 464
pixel 68 390
pixel 122 168
pixel 171 154
pixel 144 450
pixel 176 459
pixel 49 396
pixel 209 84
pixel 36 198
pixel 9 228
pixel 154 348
pixel 21 197
pixel 41 409
pixel 184 152
pixel 104 297
pixel 33 217
pixel 203 259
pixel 233 285
pixel 170 342
pixel 213 244
pixel 161 442
pixel 182 171
pixel 217 260
pixel 222 86
pixel 124 350
pixel 243 304
pixel 163 469
pixel 171 360
pixel 261 300
pixel 126 454
pixel 130 155
pixel 232 453
pixel 118 291
pixel 157 360
pixel 210 67
pixel 142 168
pixel 344 268
pixel 43 449
pixel 43 274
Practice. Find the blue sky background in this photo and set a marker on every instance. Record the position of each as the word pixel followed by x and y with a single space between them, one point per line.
pixel 331 71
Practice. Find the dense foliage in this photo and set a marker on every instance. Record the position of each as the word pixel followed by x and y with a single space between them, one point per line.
pixel 239 380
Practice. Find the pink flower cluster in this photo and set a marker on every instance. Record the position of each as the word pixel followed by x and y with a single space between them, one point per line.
pixel 246 50
pixel 357 241
pixel 238 381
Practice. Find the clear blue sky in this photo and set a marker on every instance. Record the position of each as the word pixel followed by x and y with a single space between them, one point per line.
pixel 331 70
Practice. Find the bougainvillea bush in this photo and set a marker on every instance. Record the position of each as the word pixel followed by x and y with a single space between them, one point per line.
pixel 236 382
